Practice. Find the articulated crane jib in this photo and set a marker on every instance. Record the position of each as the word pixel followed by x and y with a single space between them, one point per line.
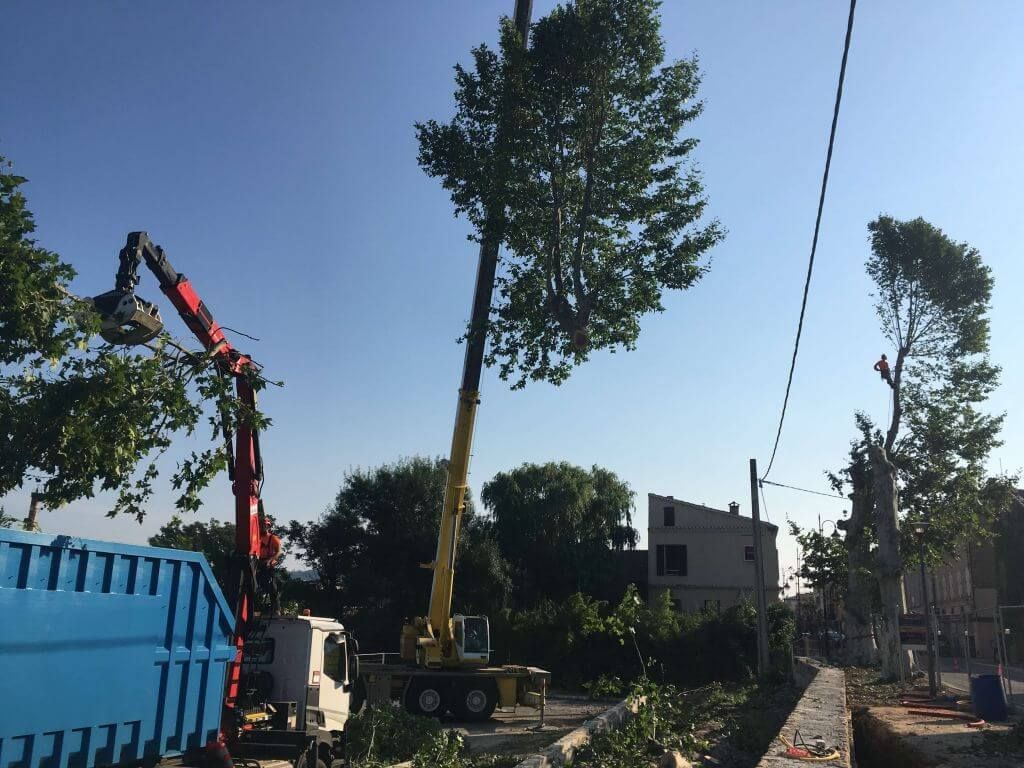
pixel 294 702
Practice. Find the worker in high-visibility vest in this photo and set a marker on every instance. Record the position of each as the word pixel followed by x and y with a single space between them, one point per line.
pixel 882 366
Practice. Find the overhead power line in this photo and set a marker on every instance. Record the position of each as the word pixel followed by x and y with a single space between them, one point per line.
pixel 803 490
pixel 817 228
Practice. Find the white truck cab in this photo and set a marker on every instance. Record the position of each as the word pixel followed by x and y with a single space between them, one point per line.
pixel 305 669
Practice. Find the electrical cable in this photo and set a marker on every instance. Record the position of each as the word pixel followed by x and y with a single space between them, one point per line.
pixel 764 502
pixel 803 490
pixel 817 228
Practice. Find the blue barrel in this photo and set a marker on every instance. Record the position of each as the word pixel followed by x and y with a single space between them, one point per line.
pixel 988 698
pixel 109 653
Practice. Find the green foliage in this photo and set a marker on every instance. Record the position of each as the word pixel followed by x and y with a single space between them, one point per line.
pixel 558 521
pixel 6 521
pixel 215 540
pixel 672 719
pixel 824 562
pixel 606 686
pixel 932 293
pixel 932 297
pixel 88 416
pixel 367 548
pixel 443 750
pixel 571 153
pixel 587 639
pixel 558 526
pixel 387 734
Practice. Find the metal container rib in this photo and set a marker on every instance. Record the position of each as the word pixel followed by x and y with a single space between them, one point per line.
pixel 109 653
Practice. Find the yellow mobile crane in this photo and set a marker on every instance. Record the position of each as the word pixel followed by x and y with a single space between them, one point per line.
pixel 446 659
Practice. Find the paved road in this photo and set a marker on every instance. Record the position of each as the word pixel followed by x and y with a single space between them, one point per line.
pixel 955 676
pixel 515 732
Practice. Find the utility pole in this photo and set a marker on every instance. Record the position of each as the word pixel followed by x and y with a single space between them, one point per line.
pixel 33 511
pixel 919 529
pixel 762 601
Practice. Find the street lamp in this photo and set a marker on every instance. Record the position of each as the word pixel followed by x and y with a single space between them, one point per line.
pixel 920 528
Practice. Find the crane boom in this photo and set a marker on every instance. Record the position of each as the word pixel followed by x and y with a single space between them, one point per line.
pixel 431 639
pixel 128 319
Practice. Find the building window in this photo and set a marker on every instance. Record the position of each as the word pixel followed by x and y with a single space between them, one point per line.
pixel 748 553
pixel 671 559
pixel 713 606
pixel 670 517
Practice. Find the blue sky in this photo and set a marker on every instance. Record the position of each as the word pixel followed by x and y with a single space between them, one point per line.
pixel 269 148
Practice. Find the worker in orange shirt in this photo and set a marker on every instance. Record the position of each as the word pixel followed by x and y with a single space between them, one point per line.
pixel 882 366
pixel 266 581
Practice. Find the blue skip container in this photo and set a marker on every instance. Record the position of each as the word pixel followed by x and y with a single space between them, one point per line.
pixel 988 698
pixel 109 653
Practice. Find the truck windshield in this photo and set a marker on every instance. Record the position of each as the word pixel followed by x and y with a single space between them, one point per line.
pixel 476 640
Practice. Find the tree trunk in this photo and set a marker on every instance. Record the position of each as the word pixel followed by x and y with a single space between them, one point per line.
pixel 888 562
pixel 860 637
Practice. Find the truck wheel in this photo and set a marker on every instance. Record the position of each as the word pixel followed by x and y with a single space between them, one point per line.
pixel 425 697
pixel 475 700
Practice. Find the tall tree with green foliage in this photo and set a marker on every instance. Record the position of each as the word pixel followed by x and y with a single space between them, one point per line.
pixel 78 416
pixel 559 525
pixel 368 547
pixel 932 296
pixel 590 187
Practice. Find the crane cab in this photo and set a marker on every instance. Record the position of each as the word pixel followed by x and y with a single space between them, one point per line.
pixel 472 636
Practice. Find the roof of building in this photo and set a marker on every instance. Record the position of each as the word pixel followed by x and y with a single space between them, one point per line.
pixel 704 508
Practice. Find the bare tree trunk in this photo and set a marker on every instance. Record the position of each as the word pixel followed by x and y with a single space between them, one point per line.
pixel 860 637
pixel 888 561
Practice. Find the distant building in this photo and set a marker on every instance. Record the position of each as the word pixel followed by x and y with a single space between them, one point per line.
pixel 705 557
pixel 969 586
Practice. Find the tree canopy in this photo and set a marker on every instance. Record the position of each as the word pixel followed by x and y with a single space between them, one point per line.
pixel 572 151
pixel 824 562
pixel 932 296
pixel 368 546
pixel 77 415
pixel 557 524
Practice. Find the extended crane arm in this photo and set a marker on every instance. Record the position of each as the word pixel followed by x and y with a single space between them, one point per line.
pixel 127 319
pixel 431 639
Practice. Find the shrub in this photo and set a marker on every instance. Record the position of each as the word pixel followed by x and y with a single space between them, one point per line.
pixel 582 635
pixel 387 734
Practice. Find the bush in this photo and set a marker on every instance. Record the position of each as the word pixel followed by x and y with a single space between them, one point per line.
pixel 387 734
pixel 581 635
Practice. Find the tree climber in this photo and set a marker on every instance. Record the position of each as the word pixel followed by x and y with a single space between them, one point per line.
pixel 882 366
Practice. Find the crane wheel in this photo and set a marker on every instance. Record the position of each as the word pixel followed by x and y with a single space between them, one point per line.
pixel 474 700
pixel 425 697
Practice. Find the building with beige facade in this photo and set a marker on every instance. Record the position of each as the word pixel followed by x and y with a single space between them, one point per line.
pixel 705 557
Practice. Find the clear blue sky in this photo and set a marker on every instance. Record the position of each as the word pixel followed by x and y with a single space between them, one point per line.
pixel 269 148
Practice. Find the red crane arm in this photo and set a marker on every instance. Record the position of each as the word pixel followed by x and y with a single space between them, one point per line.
pixel 252 536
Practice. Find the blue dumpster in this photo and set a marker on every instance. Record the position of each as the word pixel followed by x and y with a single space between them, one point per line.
pixel 109 653
pixel 988 698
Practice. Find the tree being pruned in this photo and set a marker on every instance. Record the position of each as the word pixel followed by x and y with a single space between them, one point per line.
pixel 78 416
pixel 932 296
pixel 572 153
